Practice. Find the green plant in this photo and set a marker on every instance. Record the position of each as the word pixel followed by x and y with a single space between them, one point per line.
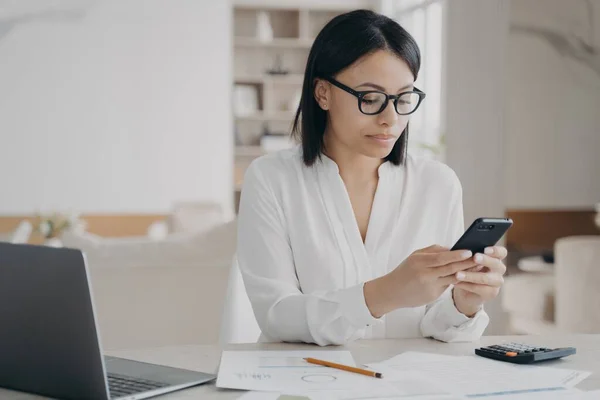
pixel 53 224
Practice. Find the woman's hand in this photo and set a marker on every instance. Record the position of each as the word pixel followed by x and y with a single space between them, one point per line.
pixel 481 284
pixel 419 280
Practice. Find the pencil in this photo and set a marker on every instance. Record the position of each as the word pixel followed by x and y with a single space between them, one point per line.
pixel 344 367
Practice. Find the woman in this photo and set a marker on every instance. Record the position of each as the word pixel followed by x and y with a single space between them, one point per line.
pixel 347 236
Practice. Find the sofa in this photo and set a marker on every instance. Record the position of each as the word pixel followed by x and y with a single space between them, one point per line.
pixel 152 293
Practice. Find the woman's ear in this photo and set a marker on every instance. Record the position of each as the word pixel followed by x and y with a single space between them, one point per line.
pixel 322 93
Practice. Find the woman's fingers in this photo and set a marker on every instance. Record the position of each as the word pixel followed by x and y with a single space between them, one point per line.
pixel 484 291
pixel 435 248
pixel 443 258
pixel 480 278
pixel 498 252
pixel 494 264
pixel 452 269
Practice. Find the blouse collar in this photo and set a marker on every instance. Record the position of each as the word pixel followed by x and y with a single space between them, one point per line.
pixel 330 165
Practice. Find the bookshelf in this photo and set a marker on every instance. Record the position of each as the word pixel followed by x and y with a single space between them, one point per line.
pixel 268 71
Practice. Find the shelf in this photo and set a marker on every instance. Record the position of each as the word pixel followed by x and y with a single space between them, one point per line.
pixel 288 79
pixel 294 28
pixel 249 151
pixel 282 116
pixel 275 43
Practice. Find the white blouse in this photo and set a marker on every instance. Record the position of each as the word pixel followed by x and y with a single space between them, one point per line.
pixel 304 263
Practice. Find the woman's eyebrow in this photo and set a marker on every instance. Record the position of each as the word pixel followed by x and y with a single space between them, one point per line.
pixel 381 88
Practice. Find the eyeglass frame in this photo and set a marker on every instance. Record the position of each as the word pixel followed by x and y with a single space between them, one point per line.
pixel 360 94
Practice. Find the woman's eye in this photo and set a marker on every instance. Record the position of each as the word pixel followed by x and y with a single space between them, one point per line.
pixel 372 98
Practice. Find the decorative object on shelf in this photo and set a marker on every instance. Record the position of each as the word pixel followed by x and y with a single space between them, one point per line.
pixel 274 141
pixel 264 30
pixel 245 100
pixel 277 68
pixel 52 225
pixel 270 143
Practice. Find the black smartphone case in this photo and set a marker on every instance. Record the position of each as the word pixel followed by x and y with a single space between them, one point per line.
pixel 482 233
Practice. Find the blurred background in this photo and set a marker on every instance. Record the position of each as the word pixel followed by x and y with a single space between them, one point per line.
pixel 126 127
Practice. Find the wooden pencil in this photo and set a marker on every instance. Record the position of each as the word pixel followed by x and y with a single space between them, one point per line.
pixel 344 367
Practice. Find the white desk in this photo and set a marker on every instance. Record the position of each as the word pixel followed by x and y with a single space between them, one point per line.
pixel 206 358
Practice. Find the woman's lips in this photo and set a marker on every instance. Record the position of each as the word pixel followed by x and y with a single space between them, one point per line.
pixel 382 139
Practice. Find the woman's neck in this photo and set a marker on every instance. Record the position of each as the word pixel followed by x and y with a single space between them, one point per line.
pixel 354 167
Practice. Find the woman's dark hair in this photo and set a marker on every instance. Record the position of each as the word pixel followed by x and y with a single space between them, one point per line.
pixel 345 39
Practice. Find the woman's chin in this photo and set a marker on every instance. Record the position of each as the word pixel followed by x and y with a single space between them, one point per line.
pixel 378 149
pixel 376 152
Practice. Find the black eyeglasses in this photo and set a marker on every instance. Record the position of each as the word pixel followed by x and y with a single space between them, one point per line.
pixel 373 102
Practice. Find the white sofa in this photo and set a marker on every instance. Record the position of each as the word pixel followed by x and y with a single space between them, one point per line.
pixel 563 300
pixel 152 293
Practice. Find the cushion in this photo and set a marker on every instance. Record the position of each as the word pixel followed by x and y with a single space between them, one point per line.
pixel 529 295
pixel 216 246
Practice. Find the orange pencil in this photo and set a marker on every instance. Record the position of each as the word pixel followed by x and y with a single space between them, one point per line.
pixel 344 367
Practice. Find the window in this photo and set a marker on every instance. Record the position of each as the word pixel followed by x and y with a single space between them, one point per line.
pixel 424 19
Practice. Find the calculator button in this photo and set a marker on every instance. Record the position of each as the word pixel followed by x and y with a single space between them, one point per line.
pixel 511 354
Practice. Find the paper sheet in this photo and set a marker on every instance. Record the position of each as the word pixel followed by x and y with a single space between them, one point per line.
pixel 478 377
pixel 287 372
pixel 381 394
pixel 568 394
pixel 564 394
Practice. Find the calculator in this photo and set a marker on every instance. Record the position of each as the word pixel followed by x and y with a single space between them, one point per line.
pixel 520 353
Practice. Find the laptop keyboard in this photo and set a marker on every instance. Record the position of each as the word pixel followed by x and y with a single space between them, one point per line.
pixel 121 385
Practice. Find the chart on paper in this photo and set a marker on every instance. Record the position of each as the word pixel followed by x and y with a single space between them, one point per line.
pixel 287 372
pixel 283 362
pixel 276 370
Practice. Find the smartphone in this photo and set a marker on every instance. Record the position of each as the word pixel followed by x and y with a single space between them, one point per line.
pixel 483 232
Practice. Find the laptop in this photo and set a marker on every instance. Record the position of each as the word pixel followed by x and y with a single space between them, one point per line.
pixel 49 339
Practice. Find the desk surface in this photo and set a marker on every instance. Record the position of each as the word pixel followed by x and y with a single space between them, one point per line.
pixel 206 358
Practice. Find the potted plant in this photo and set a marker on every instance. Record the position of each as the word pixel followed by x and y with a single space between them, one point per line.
pixel 50 226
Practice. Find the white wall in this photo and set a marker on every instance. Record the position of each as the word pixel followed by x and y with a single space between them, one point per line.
pixel 523 116
pixel 553 120
pixel 125 108
pixel 326 4
pixel 475 113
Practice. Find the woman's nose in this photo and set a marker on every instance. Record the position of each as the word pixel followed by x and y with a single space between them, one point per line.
pixel 388 116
